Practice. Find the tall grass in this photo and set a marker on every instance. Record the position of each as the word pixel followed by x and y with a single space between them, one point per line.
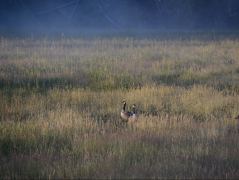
pixel 60 101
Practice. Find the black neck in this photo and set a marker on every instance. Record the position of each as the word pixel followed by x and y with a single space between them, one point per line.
pixel 124 106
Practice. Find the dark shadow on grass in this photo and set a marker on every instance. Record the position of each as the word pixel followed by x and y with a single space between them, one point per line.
pixel 175 80
pixel 96 82
pixel 221 80
pixel 45 83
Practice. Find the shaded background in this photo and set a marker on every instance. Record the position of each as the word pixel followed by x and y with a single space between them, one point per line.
pixel 69 16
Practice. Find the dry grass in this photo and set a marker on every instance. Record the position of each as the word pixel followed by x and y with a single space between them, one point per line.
pixel 60 102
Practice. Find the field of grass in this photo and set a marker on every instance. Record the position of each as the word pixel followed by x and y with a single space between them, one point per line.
pixel 60 103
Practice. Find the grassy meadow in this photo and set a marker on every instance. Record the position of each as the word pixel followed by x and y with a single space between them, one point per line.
pixel 60 103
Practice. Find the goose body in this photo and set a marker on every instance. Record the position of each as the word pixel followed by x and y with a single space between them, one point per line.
pixel 125 115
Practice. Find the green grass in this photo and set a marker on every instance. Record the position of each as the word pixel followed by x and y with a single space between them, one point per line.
pixel 60 101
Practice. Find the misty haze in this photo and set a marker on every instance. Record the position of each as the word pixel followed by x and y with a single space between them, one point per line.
pixel 119 89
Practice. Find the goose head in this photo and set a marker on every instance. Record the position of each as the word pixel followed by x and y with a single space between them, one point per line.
pixel 134 108
pixel 124 102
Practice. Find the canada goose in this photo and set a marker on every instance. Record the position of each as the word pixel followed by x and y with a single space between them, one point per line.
pixel 237 117
pixel 133 118
pixel 125 114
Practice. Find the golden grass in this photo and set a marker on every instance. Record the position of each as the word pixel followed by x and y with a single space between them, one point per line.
pixel 60 102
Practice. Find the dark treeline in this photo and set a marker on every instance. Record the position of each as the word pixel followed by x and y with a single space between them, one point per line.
pixel 63 15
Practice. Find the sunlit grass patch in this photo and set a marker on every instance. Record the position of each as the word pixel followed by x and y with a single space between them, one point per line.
pixel 60 103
